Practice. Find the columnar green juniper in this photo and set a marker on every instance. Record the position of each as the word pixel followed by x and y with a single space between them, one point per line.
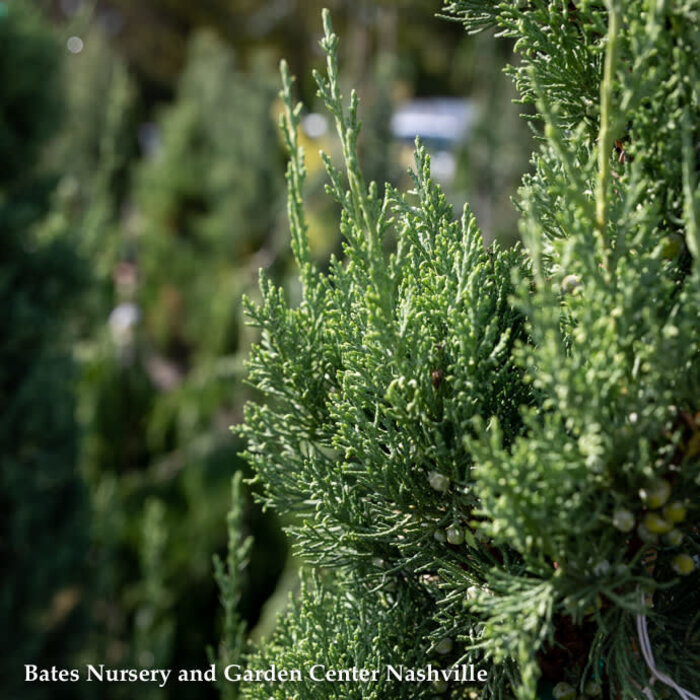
pixel 502 446
pixel 44 512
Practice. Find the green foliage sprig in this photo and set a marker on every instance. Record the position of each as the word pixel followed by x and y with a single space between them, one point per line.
pixel 514 439
pixel 228 575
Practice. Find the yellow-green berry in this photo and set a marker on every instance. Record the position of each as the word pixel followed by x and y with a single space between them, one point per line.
pixel 657 494
pixel 591 609
pixel 656 524
pixel 570 284
pixel 455 534
pixel 623 520
pixel 674 512
pixel 438 481
pixel 564 691
pixel 602 568
pixel 645 535
pixel 472 593
pixel 683 564
pixel 674 538
pixel 593 689
pixel 672 245
pixel 444 646
pixel 439 536
pixel 440 685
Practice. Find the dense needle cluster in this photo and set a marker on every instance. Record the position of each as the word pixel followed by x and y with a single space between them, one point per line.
pixel 501 446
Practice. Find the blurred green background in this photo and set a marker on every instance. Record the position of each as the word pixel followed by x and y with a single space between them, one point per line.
pixel 141 190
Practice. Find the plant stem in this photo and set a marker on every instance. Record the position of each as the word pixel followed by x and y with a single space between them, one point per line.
pixel 605 135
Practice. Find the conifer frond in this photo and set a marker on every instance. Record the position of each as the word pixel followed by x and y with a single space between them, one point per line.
pixel 506 439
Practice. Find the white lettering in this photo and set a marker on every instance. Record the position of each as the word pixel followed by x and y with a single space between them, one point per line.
pixel 164 674
pixel 394 674
pixel 235 670
pixel 312 672
pixel 92 671
pixel 33 673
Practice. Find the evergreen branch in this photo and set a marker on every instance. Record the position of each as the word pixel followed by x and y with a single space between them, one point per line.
pixel 228 577
pixel 606 133
pixel 690 197
pixel 296 176
pixel 364 207
pixel 485 450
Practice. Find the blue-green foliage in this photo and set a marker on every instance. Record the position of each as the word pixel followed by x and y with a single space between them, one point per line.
pixel 373 378
pixel 228 575
pixel 339 626
pixel 513 439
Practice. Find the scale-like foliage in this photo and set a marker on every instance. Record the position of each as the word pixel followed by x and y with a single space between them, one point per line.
pixel 512 439
pixel 338 626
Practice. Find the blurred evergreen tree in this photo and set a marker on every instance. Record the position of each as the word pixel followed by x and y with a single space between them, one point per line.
pixel 93 153
pixel 43 513
pixel 153 36
pixel 161 381
pixel 207 201
pixel 491 162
